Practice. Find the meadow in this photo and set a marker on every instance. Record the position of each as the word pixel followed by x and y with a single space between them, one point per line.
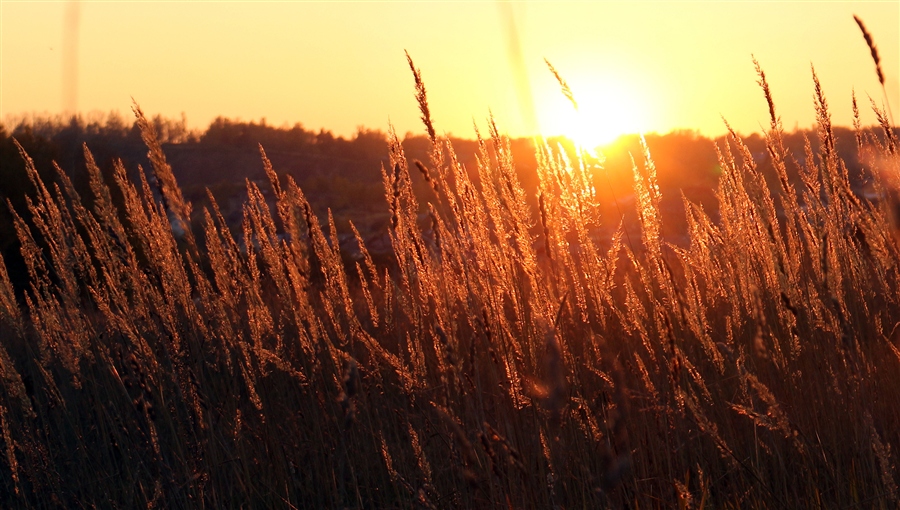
pixel 510 354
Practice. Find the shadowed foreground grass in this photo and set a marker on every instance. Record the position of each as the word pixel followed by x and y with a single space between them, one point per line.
pixel 508 357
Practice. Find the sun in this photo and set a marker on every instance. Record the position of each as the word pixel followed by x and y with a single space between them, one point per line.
pixel 606 110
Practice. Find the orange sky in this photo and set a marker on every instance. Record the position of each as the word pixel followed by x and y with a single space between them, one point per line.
pixel 648 66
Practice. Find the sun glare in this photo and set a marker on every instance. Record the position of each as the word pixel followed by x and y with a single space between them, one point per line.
pixel 606 110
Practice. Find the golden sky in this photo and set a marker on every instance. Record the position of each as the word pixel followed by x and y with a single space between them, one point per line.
pixel 632 66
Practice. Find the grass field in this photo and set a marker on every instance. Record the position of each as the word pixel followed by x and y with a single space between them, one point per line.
pixel 508 356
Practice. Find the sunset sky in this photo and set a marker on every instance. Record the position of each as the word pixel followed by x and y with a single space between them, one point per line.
pixel 633 66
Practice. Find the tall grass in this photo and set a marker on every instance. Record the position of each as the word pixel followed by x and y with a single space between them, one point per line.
pixel 509 356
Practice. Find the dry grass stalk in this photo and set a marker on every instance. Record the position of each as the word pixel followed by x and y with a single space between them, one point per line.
pixel 874 50
pixel 870 42
pixel 422 99
pixel 562 84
